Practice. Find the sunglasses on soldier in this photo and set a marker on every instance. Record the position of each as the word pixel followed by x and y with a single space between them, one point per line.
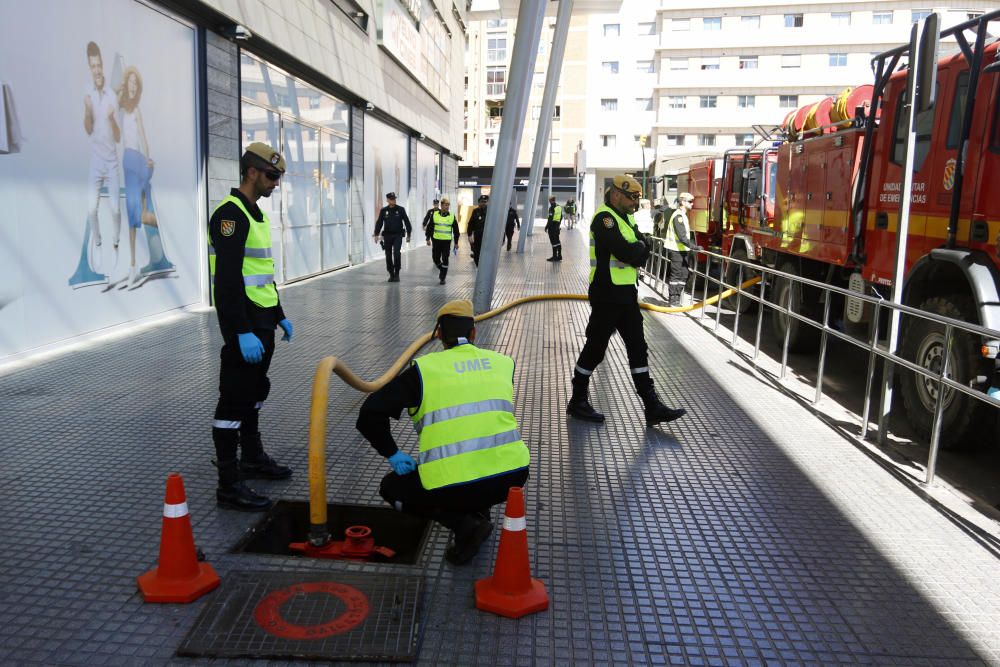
pixel 273 175
pixel 634 196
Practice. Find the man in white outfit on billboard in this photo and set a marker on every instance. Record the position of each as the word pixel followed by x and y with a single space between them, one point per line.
pixel 99 120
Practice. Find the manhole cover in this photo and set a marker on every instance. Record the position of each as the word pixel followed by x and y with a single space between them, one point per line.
pixel 310 615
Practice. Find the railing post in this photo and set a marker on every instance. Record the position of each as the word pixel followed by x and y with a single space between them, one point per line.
pixel 872 345
pixel 788 328
pixel 822 350
pixel 739 292
pixel 949 334
pixel 760 315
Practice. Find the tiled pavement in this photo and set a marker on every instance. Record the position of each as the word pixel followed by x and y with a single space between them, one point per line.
pixel 746 533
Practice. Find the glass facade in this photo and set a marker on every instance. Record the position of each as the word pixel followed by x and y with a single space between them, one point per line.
pixel 310 219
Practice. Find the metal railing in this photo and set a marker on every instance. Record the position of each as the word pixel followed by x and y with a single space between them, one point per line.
pixel 655 272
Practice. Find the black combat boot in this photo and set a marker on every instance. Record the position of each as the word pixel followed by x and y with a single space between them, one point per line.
pixel 559 254
pixel 254 463
pixel 233 494
pixel 656 412
pixel 468 535
pixel 579 404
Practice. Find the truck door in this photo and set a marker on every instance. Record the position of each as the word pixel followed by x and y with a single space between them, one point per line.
pixel 982 171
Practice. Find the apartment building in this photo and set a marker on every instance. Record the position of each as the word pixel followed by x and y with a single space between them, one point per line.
pixel 604 109
pixel 724 67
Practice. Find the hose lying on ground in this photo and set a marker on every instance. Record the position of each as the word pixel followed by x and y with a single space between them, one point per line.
pixel 330 365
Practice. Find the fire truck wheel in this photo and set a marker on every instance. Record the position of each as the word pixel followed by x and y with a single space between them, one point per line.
pixel 801 337
pixel 923 343
pixel 746 305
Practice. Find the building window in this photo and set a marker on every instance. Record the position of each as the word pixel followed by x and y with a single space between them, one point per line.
pixel 750 22
pixel 881 18
pixel 708 101
pixel 838 60
pixel 791 61
pixel 608 140
pixel 645 28
pixel 680 24
pixel 609 104
pixel 746 101
pixel 744 140
pixel 644 104
pixel 675 140
pixel 917 14
pixel 678 63
pixel 714 23
pixel 711 62
pixel 496 50
pixel 555 145
pixel 788 101
pixel 973 15
pixel 496 78
pixel 612 29
pixel 496 24
pixel 557 113
pixel 539 79
pixel 536 113
pixel 610 66
pixel 793 20
pixel 496 112
pixel 677 102
pixel 706 139
pixel 643 139
pixel 840 19
pixel 644 66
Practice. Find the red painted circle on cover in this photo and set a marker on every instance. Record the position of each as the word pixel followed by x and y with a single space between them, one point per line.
pixel 269 618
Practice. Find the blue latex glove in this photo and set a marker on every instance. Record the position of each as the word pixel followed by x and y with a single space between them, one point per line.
pixel 286 326
pixel 251 348
pixel 402 463
pixel 454 251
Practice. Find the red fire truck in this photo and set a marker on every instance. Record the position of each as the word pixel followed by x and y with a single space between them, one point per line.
pixel 824 202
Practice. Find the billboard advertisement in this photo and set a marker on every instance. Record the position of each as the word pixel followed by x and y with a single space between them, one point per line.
pixel 100 170
pixel 386 170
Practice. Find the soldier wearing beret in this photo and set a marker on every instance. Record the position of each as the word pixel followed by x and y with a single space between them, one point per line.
pixel 477 225
pixel 246 300
pixel 461 401
pixel 617 249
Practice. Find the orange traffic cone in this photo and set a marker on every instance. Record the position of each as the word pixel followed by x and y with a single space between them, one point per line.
pixel 179 576
pixel 511 591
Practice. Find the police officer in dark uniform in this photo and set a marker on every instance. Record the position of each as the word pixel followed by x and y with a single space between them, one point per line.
pixel 470 452
pixel 617 248
pixel 442 229
pixel 553 226
pixel 477 225
pixel 430 214
pixel 392 223
pixel 247 304
pixel 512 220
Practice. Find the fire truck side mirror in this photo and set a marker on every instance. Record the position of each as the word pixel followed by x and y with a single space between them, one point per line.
pixel 927 54
pixel 992 67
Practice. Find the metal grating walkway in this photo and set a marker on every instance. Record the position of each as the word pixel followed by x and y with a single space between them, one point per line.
pixel 748 533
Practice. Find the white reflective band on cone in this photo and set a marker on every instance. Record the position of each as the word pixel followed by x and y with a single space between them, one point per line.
pixel 514 524
pixel 179 510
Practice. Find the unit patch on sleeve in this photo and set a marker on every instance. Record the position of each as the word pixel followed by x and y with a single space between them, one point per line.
pixel 227 227
pixel 608 222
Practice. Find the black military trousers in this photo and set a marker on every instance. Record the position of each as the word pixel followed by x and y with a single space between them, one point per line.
pixel 393 256
pixel 440 251
pixel 242 388
pixel 554 238
pixel 605 319
pixel 448 504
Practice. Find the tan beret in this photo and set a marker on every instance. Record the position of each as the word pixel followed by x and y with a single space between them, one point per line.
pixel 267 154
pixel 627 183
pixel 457 308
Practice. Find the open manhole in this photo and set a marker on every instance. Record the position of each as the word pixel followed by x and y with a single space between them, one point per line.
pixel 288 521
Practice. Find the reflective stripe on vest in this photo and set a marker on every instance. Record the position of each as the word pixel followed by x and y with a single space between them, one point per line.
pixel 442 226
pixel 621 273
pixel 465 419
pixel 557 213
pixel 671 242
pixel 258 260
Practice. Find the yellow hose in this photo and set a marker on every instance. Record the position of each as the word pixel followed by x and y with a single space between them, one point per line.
pixel 329 365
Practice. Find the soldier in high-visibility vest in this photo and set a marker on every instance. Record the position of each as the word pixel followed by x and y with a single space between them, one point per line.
pixel 553 226
pixel 677 241
pixel 247 304
pixel 441 230
pixel 461 401
pixel 617 248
